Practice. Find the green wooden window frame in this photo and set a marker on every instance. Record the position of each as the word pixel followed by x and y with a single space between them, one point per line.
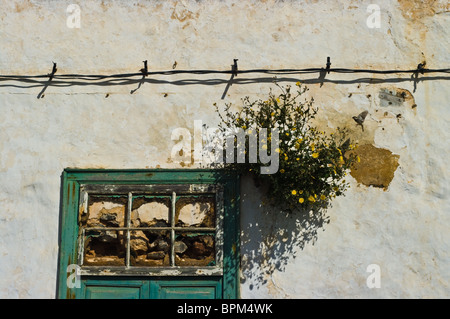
pixel 76 183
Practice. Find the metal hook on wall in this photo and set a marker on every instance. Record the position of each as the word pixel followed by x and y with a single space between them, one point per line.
pixel 50 78
pixel 145 69
pixel 323 71
pixel 420 69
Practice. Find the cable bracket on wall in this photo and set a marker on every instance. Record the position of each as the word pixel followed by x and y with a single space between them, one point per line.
pixel 50 78
pixel 144 70
pixel 420 69
pixel 234 72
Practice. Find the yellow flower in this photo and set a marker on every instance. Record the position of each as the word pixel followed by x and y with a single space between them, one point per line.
pixel 323 197
pixel 297 159
pixel 339 151
pixel 244 127
pixel 287 134
pixel 301 200
pixel 281 171
pixel 285 158
pixel 358 159
pixel 313 147
pixel 299 140
pixel 272 114
pixel 300 192
pixel 278 100
pixel 341 158
pixel 315 155
pixel 311 199
pixel 298 83
pixel 294 192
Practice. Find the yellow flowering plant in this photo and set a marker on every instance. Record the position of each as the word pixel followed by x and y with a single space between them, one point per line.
pixel 312 164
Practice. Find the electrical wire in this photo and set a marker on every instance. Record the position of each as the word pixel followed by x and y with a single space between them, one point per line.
pixel 235 72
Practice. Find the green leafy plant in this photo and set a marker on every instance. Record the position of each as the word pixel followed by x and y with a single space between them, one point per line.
pixel 312 164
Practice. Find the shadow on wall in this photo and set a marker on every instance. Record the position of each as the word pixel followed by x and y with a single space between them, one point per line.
pixel 271 238
pixel 78 80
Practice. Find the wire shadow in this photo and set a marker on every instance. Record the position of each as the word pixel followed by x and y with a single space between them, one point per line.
pixel 140 84
pixel 30 82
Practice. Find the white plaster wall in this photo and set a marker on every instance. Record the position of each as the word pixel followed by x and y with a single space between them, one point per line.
pixel 404 229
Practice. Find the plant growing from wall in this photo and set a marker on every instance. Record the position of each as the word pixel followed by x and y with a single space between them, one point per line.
pixel 312 164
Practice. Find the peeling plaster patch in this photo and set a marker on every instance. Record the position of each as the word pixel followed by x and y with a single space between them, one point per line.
pixel 419 9
pixel 376 168
pixel 396 97
pixel 182 14
pixel 22 6
pixel 170 272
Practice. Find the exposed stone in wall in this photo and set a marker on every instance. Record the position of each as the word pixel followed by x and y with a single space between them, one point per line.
pixel 195 212
pixel 376 167
pixel 149 247
pixel 150 213
pixel 106 213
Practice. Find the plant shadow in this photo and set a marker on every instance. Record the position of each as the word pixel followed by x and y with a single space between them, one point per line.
pixel 270 238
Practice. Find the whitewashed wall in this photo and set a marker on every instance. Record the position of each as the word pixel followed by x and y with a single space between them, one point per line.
pixel 403 229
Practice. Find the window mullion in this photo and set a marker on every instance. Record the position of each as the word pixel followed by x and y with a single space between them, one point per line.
pixel 128 220
pixel 172 230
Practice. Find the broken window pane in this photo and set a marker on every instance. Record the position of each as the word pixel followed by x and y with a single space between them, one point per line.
pixel 104 248
pixel 150 248
pixel 105 211
pixel 194 249
pixel 195 211
pixel 150 211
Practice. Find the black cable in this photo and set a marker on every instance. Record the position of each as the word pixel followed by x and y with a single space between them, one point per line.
pixel 202 72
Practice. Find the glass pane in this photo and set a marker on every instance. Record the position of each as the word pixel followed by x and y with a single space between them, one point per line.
pixel 150 248
pixel 194 249
pixel 104 247
pixel 195 211
pixel 150 211
pixel 106 211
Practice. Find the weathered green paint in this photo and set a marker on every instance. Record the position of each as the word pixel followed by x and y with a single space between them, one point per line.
pixel 68 234
pixel 225 286
pixel 186 289
pixel 114 289
pixel 156 288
